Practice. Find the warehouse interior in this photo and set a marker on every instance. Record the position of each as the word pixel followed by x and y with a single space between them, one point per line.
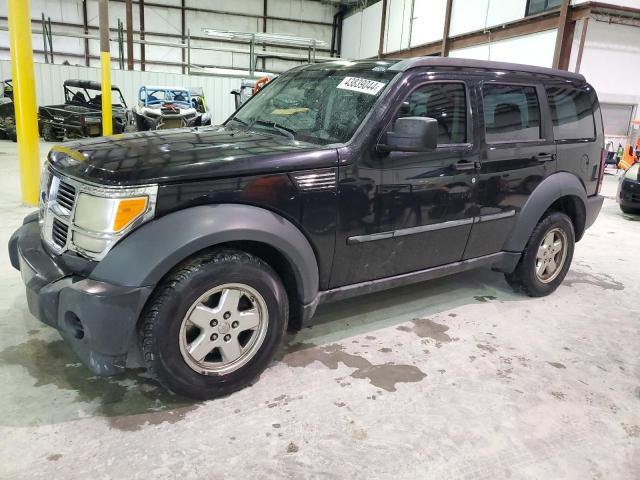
pixel 456 377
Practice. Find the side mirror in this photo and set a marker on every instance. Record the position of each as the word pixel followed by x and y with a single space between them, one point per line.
pixel 412 134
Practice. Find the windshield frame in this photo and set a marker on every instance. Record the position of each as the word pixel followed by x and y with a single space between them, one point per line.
pixel 351 70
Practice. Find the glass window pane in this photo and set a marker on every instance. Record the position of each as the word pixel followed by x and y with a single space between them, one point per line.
pixel 511 113
pixel 445 102
pixel 571 112
pixel 538 6
pixel 616 119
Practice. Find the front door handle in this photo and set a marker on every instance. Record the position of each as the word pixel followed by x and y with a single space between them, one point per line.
pixel 545 157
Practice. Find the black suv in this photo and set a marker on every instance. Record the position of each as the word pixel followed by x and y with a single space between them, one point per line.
pixel 196 248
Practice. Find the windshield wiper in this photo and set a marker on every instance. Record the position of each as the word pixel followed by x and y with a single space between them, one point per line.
pixel 241 122
pixel 287 132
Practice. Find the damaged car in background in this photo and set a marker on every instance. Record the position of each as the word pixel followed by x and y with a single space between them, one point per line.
pixel 81 113
pixel 160 108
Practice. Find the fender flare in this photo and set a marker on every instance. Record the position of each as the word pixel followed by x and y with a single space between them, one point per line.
pixel 150 252
pixel 555 186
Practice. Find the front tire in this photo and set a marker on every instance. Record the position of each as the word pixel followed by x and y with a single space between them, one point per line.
pixel 213 325
pixel 546 258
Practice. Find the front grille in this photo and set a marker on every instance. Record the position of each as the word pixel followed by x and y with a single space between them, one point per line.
pixel 66 196
pixel 59 233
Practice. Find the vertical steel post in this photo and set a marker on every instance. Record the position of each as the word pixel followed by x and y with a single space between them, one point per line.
pixel 24 97
pixel 105 67
pixel 383 24
pixel 142 52
pixel 85 24
pixel 561 37
pixel 265 10
pixel 129 15
pixel 444 49
pixel 252 50
pixel 182 32
pixel 44 39
pixel 50 37
pixel 188 52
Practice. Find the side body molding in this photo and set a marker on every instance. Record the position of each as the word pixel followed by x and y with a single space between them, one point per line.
pixel 147 254
pixel 552 188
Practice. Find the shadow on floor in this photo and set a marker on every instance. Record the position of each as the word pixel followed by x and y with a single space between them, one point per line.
pixel 133 400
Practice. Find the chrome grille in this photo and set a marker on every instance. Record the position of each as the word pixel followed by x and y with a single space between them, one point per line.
pixel 59 233
pixel 66 196
pixel 58 200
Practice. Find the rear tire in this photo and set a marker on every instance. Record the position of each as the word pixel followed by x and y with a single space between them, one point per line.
pixel 546 258
pixel 213 325
pixel 48 134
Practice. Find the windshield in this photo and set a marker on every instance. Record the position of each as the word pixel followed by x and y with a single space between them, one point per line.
pixel 89 96
pixel 156 96
pixel 318 105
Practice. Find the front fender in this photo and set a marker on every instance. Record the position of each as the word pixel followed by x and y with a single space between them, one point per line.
pixel 558 185
pixel 150 252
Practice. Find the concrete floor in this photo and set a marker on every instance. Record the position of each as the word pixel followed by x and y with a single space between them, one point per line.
pixel 456 378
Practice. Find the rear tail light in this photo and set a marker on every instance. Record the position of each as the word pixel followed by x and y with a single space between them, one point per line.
pixel 603 157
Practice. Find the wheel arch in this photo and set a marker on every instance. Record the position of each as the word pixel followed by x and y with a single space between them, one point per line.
pixel 562 192
pixel 145 256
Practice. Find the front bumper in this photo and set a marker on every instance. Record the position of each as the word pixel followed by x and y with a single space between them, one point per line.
pixel 97 319
pixel 629 193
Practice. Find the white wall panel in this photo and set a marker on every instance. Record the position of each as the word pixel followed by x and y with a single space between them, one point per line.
pixel 428 21
pixel 49 79
pixel 370 33
pixel 468 16
pixel 504 11
pixel 538 47
pixel 535 49
pixel 477 52
pixel 351 35
pixel 397 25
pixel 611 62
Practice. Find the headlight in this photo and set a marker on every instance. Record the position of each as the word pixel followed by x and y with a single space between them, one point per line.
pixel 633 172
pixel 103 216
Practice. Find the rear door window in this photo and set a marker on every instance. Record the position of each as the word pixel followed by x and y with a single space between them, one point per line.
pixel 572 113
pixel 511 113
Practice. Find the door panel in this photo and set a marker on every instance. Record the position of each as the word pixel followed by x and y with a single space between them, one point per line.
pixel 518 153
pixel 401 212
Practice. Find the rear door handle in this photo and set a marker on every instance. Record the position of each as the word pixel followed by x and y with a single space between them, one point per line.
pixel 464 166
pixel 545 157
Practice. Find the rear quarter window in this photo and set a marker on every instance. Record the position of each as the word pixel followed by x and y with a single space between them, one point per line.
pixel 572 113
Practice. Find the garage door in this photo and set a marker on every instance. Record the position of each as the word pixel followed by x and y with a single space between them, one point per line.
pixel 617 118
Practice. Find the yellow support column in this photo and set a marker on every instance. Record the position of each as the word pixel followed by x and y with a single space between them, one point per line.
pixel 24 97
pixel 105 67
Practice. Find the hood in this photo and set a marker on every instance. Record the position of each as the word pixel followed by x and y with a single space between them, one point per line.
pixel 164 156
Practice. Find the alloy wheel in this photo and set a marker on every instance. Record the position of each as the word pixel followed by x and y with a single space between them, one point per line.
pixel 223 329
pixel 551 255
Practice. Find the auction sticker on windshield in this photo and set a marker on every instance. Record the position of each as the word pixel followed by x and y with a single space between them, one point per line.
pixel 361 85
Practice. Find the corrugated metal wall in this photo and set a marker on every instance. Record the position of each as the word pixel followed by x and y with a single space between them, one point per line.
pixel 49 79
